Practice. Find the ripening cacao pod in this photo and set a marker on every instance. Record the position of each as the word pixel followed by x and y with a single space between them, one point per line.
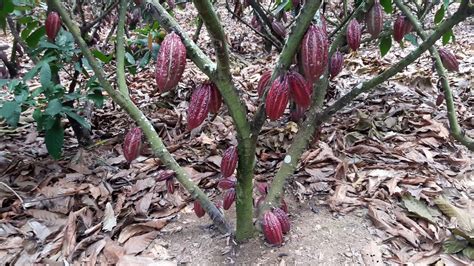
pixel 374 19
pixel 199 105
pixel 314 53
pixel 229 161
pixel 227 183
pixel 277 98
pixel 353 34
pixel 52 25
pixel 229 198
pixel 279 28
pixel 165 175
pixel 272 229
pixel 336 63
pixel 255 23
pixel 300 89
pixel 283 219
pixel 132 144
pixel 401 27
pixel 450 62
pixel 170 185
pixel 439 99
pixel 198 210
pixel 263 82
pixel 216 99
pixel 170 62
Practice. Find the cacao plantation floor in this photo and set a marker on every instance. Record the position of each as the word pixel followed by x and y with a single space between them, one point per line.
pixel 364 193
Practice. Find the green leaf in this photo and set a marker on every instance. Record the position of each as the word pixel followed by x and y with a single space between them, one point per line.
pixel 144 60
pixel 387 6
pixel 35 37
pixel 101 56
pixel 446 4
pixel 11 112
pixel 417 207
pixel 54 107
pixel 54 139
pixel 130 58
pixel 45 75
pixel 439 15
pixel 463 219
pixel 452 246
pixel 385 45
pixel 96 97
pixel 469 252
pixel 79 119
pixel 447 36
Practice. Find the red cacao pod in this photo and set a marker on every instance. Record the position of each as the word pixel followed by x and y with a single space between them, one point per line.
pixel 170 62
pixel 336 64
pixel 401 27
pixel 450 62
pixel 229 161
pixel 300 89
pixel 374 19
pixel 272 229
pixel 314 53
pixel 277 98
pixel 263 82
pixel 132 144
pixel 52 25
pixel 216 99
pixel 229 198
pixel 279 28
pixel 198 210
pixel 227 183
pixel 199 105
pixel 353 34
pixel 283 219
pixel 255 22
pixel 170 185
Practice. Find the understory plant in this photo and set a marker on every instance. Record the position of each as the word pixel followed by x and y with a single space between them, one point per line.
pixel 311 53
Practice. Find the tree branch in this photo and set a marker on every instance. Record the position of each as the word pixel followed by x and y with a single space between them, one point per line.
pixel 120 55
pixel 454 127
pixel 315 118
pixel 156 143
pixel 286 57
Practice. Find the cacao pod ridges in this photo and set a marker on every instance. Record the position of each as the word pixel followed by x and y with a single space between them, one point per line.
pixel 52 25
pixel 229 161
pixel 353 34
pixel 263 82
pixel 374 19
pixel 401 27
pixel 170 63
pixel 336 64
pixel 229 198
pixel 199 105
pixel 277 98
pixel 449 60
pixel 132 144
pixel 216 99
pixel 301 90
pixel 272 228
pixel 283 219
pixel 314 53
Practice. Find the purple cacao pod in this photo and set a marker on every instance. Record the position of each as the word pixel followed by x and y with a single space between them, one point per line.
pixel 230 157
pixel 314 53
pixel 353 34
pixel 170 62
pixel 132 144
pixel 277 98
pixel 52 25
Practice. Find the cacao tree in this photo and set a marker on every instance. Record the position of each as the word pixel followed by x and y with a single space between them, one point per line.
pixel 310 54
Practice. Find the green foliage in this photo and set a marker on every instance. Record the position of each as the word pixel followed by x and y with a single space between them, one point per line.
pixel 387 6
pixel 385 45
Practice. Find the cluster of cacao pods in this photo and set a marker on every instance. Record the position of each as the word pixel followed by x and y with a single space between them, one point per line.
pixel 170 62
pixel 205 99
pixel 290 84
pixel 401 27
pixel 132 144
pixel 52 25
pixel 275 223
pixel 228 185
pixel 449 60
pixel 168 177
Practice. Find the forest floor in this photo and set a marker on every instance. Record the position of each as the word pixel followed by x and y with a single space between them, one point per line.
pixel 366 192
